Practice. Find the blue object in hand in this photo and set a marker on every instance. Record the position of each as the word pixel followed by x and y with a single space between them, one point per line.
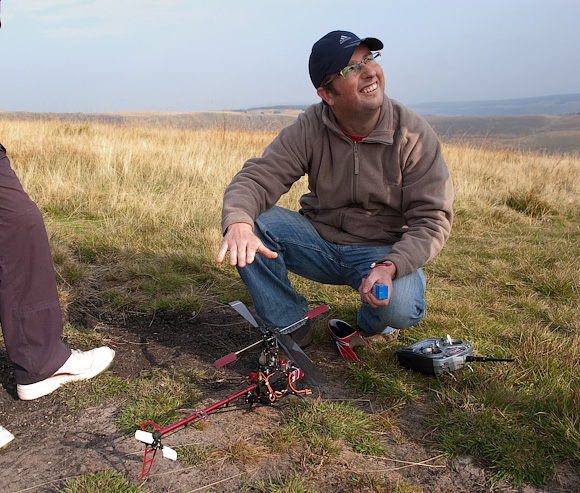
pixel 380 291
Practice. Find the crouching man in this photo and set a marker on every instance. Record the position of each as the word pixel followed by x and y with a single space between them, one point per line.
pixel 379 204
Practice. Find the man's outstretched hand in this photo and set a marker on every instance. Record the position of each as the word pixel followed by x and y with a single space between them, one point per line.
pixel 243 245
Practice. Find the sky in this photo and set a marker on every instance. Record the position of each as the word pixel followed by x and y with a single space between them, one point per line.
pixel 91 56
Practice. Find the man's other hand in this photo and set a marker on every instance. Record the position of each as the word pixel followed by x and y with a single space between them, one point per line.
pixel 243 245
pixel 381 274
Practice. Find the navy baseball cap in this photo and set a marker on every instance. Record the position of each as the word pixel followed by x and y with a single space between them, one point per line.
pixel 332 53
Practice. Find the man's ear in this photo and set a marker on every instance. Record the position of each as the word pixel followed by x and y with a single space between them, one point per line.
pixel 325 95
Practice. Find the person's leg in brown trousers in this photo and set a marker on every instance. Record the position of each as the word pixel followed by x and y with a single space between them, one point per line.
pixel 30 312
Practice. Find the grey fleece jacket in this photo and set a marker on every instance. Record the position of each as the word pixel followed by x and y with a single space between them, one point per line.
pixel 391 188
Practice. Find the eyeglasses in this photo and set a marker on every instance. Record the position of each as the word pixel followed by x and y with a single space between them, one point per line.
pixel 351 70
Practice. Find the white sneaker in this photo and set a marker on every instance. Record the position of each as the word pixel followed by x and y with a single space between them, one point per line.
pixel 81 365
pixel 5 437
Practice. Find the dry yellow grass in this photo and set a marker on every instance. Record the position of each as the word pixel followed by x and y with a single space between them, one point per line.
pixel 486 177
pixel 126 181
pixel 163 178
pixel 158 190
pixel 131 191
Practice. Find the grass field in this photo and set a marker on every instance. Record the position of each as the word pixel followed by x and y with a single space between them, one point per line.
pixel 133 218
pixel 543 133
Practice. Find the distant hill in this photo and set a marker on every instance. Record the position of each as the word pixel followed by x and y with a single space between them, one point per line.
pixel 563 104
pixel 549 133
pixel 263 119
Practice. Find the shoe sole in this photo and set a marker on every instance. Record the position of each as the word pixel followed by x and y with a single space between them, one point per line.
pixel 5 437
pixel 35 390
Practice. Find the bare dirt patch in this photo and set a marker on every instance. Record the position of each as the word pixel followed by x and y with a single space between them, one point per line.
pixel 54 444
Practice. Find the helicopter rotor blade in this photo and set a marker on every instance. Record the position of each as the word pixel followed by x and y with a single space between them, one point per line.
pixel 244 312
pixel 316 311
pixel 224 360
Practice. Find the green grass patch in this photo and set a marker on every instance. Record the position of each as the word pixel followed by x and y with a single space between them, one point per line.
pixel 239 451
pixel 84 394
pixel 293 482
pixel 149 282
pixel 375 483
pixel 102 482
pixel 156 396
pixel 81 337
pixel 506 439
pixel 325 427
pixel 193 455
pixel 381 377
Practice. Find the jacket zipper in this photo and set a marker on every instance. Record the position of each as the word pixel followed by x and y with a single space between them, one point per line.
pixel 356 172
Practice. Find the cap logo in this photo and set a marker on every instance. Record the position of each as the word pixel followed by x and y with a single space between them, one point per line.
pixel 344 39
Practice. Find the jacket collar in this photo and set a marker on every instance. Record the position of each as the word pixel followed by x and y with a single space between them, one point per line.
pixel 383 132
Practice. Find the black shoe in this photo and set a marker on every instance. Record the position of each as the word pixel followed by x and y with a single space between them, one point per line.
pixel 303 335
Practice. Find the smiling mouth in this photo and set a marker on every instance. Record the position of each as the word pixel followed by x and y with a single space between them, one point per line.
pixel 369 89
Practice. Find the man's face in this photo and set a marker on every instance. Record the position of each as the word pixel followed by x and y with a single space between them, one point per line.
pixel 361 92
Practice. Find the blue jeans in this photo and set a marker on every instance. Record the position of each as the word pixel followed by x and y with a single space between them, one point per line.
pixel 302 251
